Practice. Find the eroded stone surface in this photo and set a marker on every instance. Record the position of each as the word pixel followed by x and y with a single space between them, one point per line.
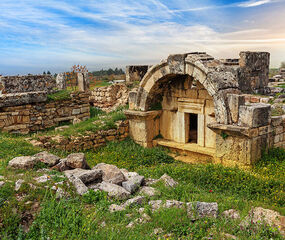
pixel 111 173
pixel 133 184
pixel 114 190
pixel 76 160
pixel 25 162
pixel 149 191
pixel 47 158
pixel 169 181
pixel 231 213
pixel 86 176
pixel 138 200
pixel 18 184
pixel 78 184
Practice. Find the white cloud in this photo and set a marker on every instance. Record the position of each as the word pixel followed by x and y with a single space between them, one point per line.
pixel 140 33
pixel 254 3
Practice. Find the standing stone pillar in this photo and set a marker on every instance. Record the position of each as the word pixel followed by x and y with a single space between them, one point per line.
pixel 81 82
pixel 60 81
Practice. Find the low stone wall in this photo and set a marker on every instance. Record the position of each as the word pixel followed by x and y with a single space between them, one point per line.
pixel 110 97
pixel 38 116
pixel 29 83
pixel 90 141
pixel 277 132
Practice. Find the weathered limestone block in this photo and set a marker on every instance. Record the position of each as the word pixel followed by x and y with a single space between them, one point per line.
pixel 15 99
pixel 177 63
pixel 47 158
pixel 202 209
pixel 235 101
pixel 76 160
pixel 29 83
pixel 149 191
pixel 23 162
pixel 114 190
pixel 60 81
pixel 276 121
pixel 133 184
pixel 144 126
pixel 80 187
pixel 111 173
pixel 256 115
pixel 86 176
pixel 253 72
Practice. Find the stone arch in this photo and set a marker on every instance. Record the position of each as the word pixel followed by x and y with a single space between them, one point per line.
pixel 217 79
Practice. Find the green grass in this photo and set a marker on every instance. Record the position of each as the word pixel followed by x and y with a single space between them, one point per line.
pixel 59 96
pixel 104 83
pixel 281 85
pixel 82 217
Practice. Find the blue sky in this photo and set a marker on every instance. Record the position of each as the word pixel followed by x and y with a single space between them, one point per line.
pixel 40 35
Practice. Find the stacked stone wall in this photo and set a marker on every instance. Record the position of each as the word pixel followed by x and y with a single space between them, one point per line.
pixel 29 83
pixel 92 140
pixel 110 97
pixel 38 116
pixel 277 127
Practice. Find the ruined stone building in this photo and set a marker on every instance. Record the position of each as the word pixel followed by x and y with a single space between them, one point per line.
pixel 203 107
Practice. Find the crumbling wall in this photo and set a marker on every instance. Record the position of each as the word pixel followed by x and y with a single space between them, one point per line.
pixel 88 141
pixel 136 73
pixel 29 83
pixel 253 73
pixel 41 115
pixel 110 97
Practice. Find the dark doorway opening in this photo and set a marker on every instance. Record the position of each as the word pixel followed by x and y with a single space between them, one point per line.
pixel 193 128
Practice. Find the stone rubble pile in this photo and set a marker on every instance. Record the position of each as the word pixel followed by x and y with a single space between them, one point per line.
pixel 118 183
pixel 122 184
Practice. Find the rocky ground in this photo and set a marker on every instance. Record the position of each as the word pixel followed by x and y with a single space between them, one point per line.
pixel 127 190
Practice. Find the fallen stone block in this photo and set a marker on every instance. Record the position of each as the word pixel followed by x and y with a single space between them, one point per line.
pixel 231 214
pixel 169 181
pixel 114 190
pixel 25 162
pixel 194 210
pixel 47 158
pixel 134 201
pixel 202 209
pixel 86 176
pixel 128 175
pixel 116 208
pixel 42 179
pixel 62 166
pixel 78 184
pixel 149 191
pixel 111 173
pixel 133 184
pixel 269 217
pixel 18 184
pixel 76 160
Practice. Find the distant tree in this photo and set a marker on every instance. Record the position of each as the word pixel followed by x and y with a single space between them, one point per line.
pixel 44 73
pixel 282 65
pixel 48 72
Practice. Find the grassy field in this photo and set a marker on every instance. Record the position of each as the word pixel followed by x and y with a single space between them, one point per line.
pixel 88 217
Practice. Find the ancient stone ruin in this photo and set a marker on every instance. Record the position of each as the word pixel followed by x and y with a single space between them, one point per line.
pixel 25 107
pixel 135 73
pixel 110 97
pixel 205 108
